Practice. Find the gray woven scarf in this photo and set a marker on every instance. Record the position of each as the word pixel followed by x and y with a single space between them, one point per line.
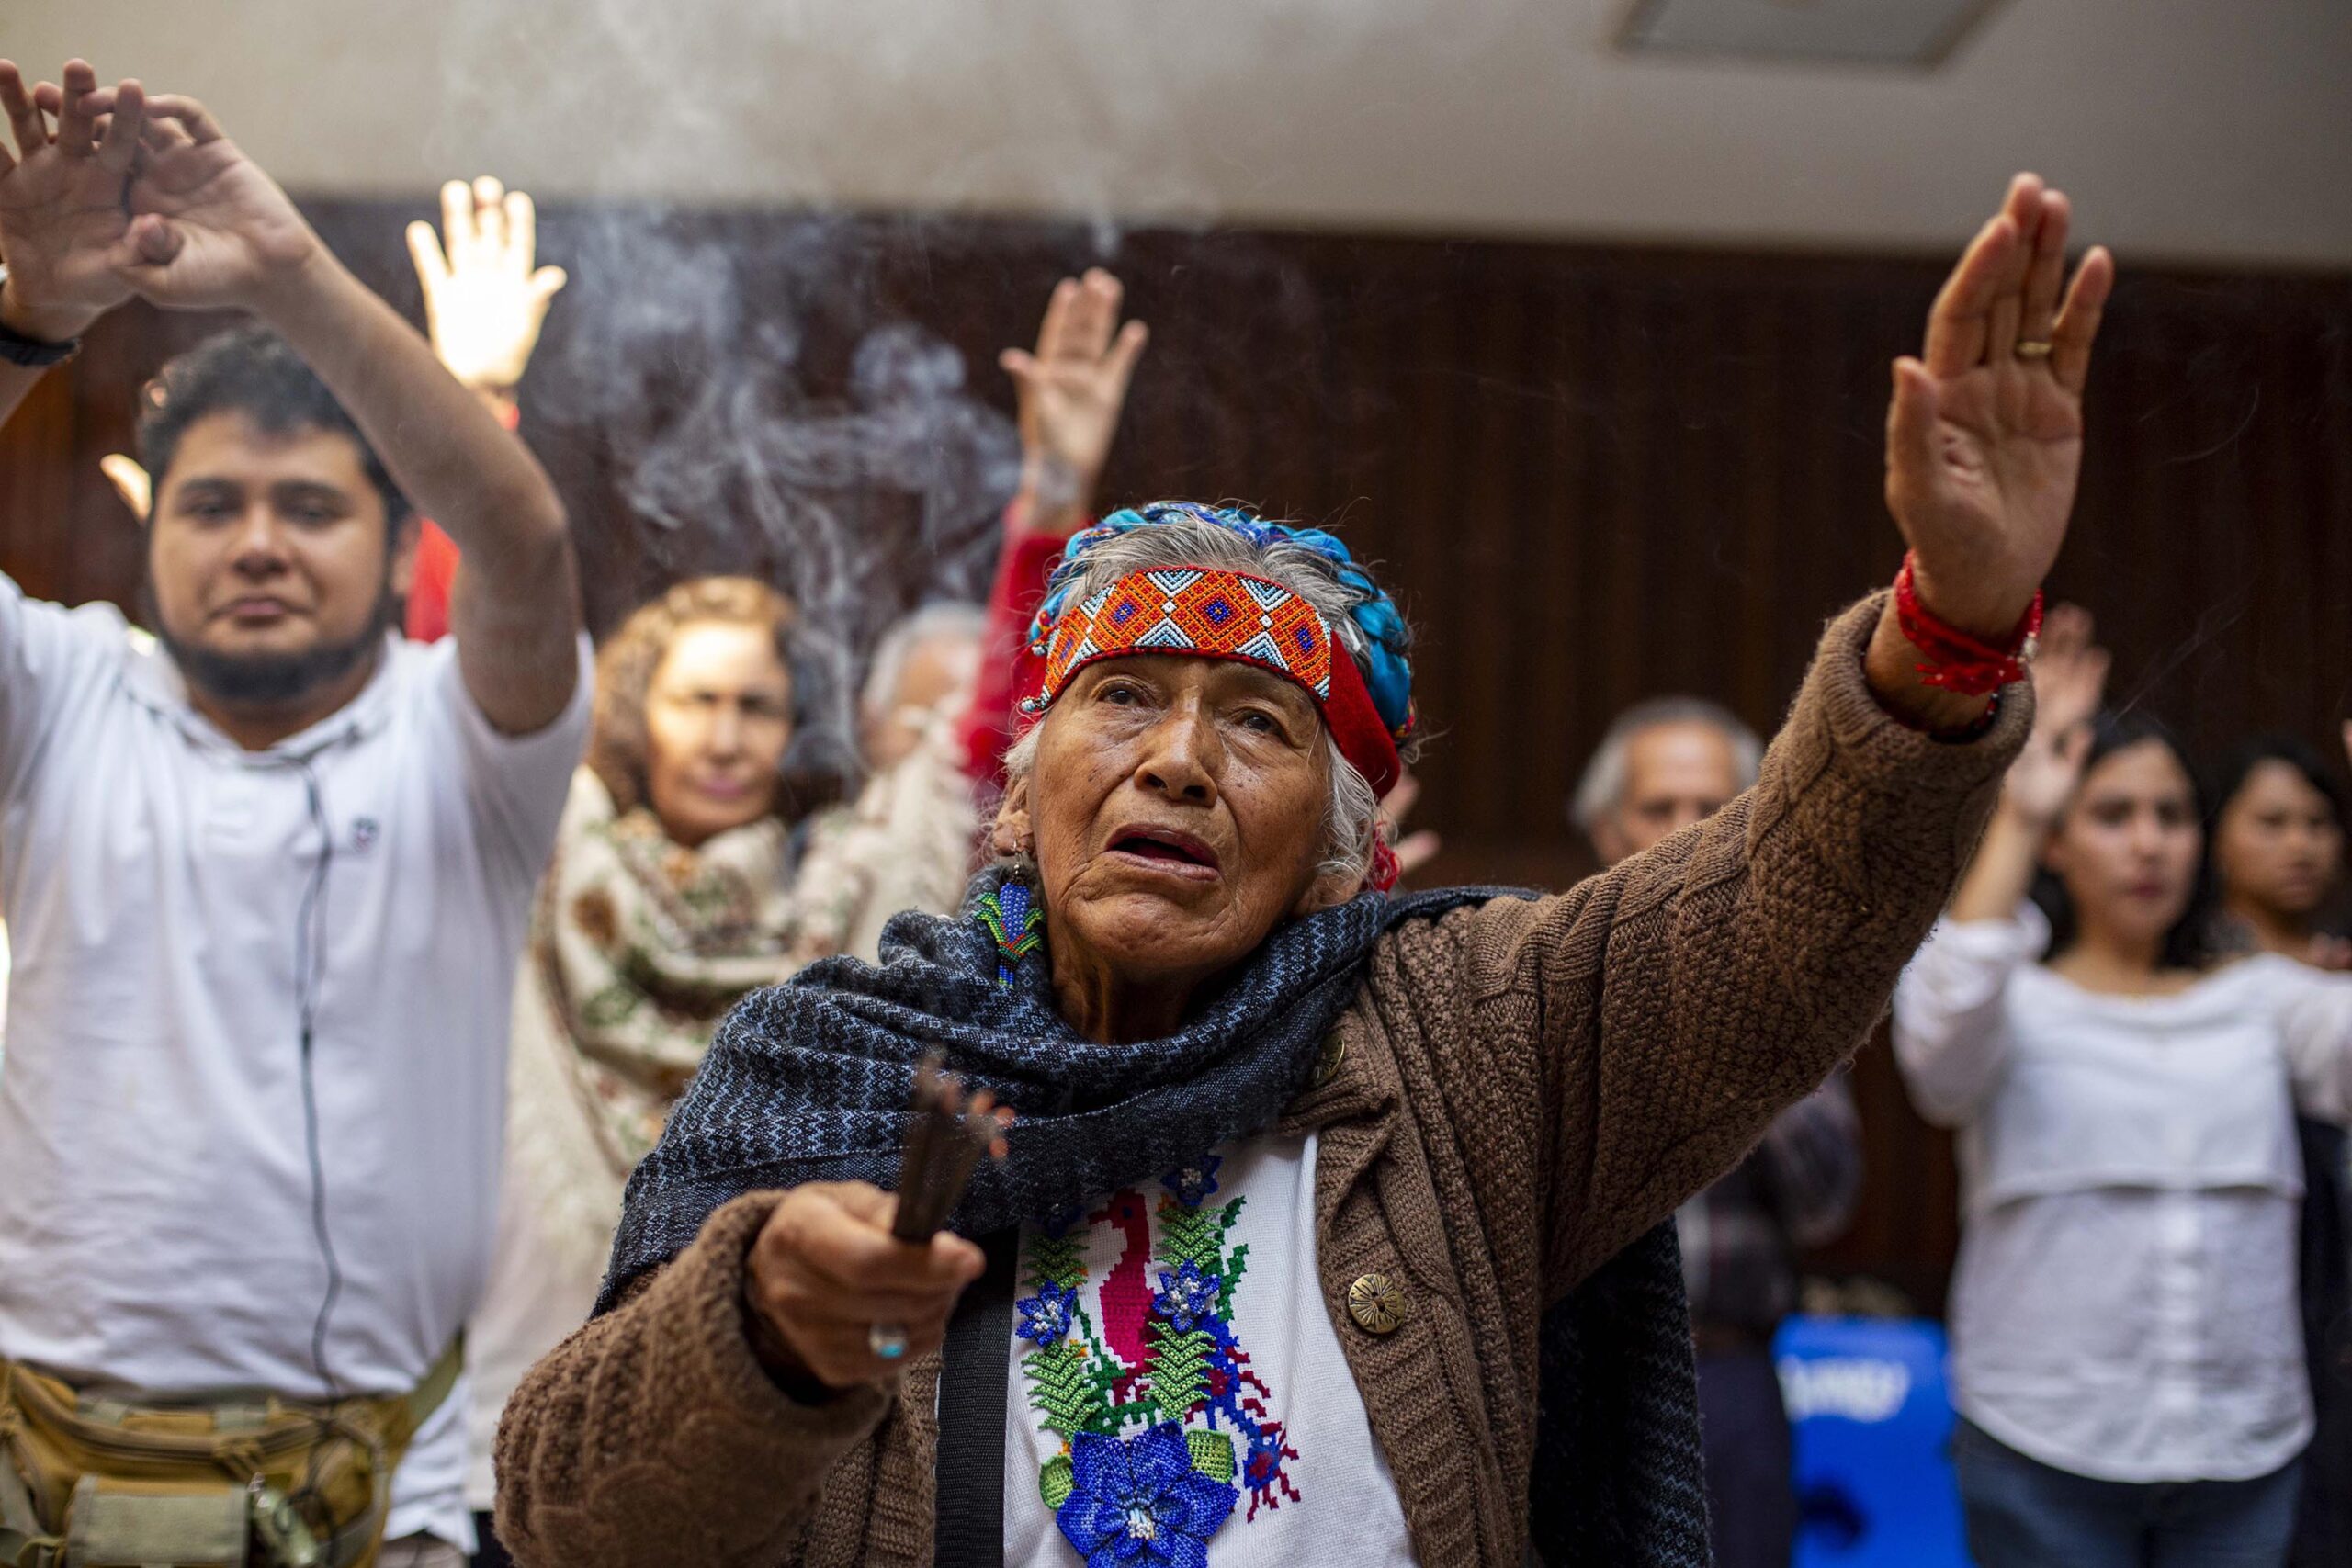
pixel 811 1081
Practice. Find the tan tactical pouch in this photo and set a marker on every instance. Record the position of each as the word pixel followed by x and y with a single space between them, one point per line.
pixel 88 1483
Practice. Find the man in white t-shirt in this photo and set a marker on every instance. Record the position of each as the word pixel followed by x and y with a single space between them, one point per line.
pixel 265 884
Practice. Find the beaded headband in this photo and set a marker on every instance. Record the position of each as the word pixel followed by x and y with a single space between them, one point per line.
pixel 1388 675
pixel 1196 609
pixel 1217 613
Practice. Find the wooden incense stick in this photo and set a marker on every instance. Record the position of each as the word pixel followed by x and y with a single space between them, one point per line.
pixel 944 1147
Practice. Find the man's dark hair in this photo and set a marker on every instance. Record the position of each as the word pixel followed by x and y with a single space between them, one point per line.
pixel 255 372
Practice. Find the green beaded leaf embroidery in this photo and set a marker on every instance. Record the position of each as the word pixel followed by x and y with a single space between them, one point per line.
pixel 1056 1480
pixel 1212 1453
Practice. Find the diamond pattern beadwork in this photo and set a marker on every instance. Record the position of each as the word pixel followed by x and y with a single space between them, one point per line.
pixel 1193 609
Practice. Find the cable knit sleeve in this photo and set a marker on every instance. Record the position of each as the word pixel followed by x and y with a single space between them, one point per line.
pixel 1662 1013
pixel 653 1435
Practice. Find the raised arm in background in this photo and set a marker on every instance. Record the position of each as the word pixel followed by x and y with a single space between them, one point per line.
pixel 486 296
pixel 1072 388
pixel 485 300
pixel 2069 675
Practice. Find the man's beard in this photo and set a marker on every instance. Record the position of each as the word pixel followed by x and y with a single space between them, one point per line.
pixel 271 681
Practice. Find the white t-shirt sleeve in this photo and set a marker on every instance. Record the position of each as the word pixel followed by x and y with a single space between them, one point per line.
pixel 1952 1026
pixel 516 784
pixel 2315 1027
pixel 49 656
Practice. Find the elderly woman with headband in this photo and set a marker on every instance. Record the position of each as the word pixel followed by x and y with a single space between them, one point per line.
pixel 1298 1165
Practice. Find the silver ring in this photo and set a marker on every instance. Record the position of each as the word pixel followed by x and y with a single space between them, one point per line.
pixel 886 1340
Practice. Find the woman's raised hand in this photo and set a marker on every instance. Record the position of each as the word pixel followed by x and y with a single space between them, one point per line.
pixel 485 295
pixel 1985 434
pixel 1073 387
pixel 825 1270
pixel 2069 678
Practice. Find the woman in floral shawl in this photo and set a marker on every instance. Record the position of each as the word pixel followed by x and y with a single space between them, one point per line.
pixel 687 873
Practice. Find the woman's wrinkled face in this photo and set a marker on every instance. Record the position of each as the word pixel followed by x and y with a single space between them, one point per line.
pixel 2128 845
pixel 1177 813
pixel 2278 844
pixel 717 718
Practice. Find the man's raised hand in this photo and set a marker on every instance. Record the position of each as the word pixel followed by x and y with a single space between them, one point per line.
pixel 62 199
pixel 207 226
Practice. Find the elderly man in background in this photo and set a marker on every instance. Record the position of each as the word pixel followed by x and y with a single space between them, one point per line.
pixel 1663 766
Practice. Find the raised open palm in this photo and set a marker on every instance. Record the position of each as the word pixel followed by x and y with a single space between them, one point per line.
pixel 1073 387
pixel 62 209
pixel 485 295
pixel 1985 434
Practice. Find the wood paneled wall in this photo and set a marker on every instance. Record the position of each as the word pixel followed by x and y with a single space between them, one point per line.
pixel 1597 475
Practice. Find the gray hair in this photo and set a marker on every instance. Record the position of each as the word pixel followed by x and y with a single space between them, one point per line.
pixel 940 618
pixel 1602 788
pixel 1351 819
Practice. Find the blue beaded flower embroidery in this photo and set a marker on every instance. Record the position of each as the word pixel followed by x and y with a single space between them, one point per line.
pixel 1138 1500
pixel 1046 1316
pixel 1193 1183
pixel 1186 1296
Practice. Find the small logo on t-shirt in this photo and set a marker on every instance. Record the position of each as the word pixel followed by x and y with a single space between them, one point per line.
pixel 365 831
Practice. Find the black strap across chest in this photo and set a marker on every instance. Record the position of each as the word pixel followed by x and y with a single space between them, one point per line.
pixel 974 1372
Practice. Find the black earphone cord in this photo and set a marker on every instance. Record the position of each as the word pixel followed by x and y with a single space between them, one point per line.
pixel 309 975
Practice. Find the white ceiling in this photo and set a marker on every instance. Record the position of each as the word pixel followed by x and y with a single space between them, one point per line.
pixel 2185 129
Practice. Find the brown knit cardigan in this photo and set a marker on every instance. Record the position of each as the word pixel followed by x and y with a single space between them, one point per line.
pixel 1521 1089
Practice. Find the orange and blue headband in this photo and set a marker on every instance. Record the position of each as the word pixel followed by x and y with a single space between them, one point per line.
pixel 1215 613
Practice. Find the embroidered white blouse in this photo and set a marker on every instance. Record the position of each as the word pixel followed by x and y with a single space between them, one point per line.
pixel 1177 1379
pixel 2125 1306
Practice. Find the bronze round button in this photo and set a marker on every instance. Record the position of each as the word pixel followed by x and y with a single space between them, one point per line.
pixel 1376 1302
pixel 1328 1060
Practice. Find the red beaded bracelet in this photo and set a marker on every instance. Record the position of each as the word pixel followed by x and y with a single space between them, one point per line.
pixel 1957 661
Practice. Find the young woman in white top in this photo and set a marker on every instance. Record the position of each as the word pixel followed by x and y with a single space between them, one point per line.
pixel 2127 1351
